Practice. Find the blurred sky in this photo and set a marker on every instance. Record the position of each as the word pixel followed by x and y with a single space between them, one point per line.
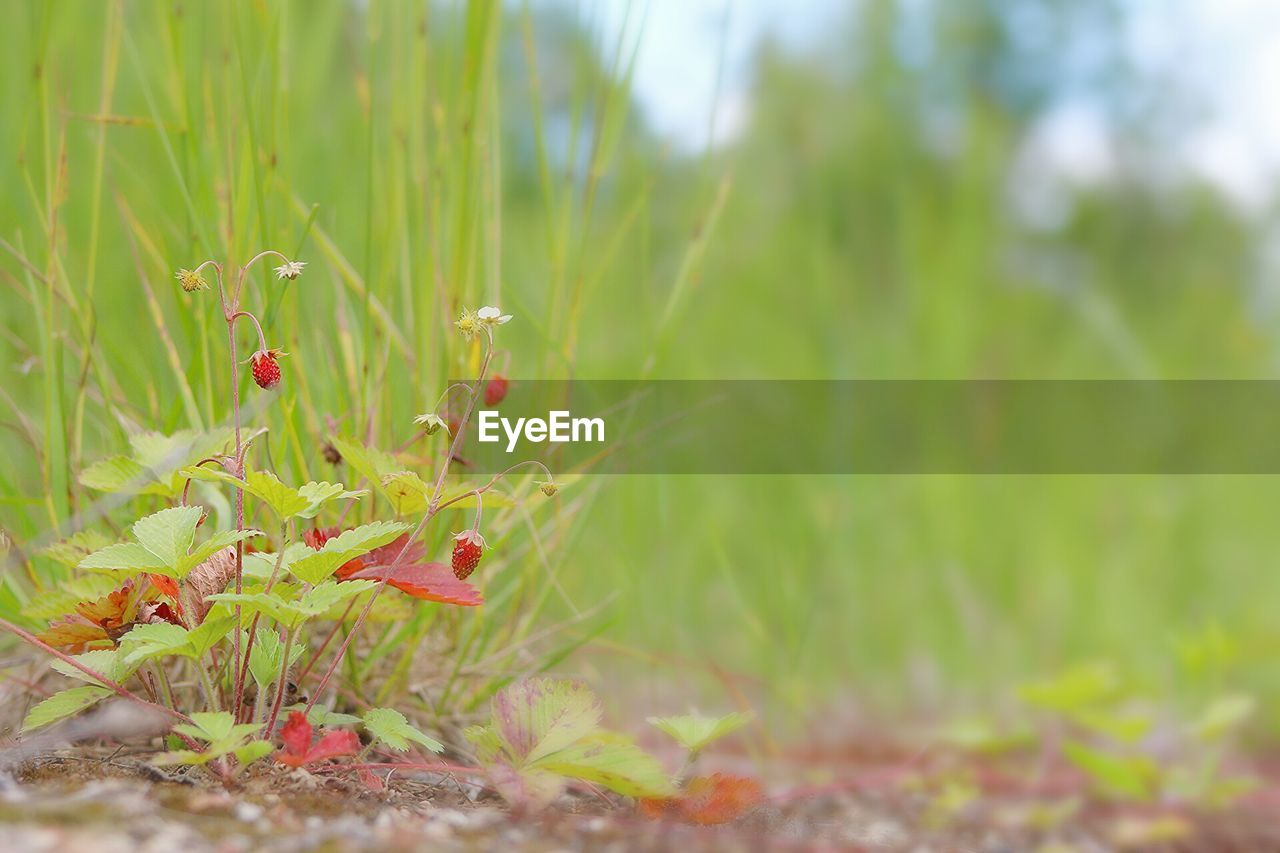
pixel 1228 51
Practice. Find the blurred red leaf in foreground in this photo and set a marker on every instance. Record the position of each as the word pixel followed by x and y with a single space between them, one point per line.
pixel 707 800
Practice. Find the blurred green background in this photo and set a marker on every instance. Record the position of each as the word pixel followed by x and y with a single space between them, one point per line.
pixel 887 197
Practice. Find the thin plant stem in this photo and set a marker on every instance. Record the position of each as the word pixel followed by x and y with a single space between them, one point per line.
pixel 327 640
pixel 432 508
pixel 281 682
pixel 253 626
pixel 115 686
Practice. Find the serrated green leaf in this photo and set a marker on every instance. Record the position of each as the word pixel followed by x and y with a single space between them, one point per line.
pixel 70 551
pixel 211 546
pixel 252 751
pixel 292 614
pixel 168 533
pixel 217 623
pixel 261 565
pixel 318 599
pixel 407 492
pixel 319 494
pixel 267 656
pixel 348 545
pixel 114 474
pixel 390 726
pixel 144 642
pixel 211 725
pixel 694 731
pixel 128 557
pixel 108 662
pixel 63 704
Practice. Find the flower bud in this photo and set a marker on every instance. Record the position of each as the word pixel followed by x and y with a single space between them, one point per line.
pixel 191 281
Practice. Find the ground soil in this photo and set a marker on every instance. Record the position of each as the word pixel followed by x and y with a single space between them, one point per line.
pixel 97 799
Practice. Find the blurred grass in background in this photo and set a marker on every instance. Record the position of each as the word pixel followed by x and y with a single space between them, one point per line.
pixel 882 214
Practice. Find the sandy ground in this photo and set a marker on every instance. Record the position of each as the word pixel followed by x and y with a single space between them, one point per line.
pixel 111 800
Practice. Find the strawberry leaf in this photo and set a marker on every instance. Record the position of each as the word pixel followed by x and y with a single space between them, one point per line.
pixel 407 492
pixel 694 731
pixel 425 581
pixel 540 716
pixel 611 760
pixel 106 662
pixel 390 726
pixel 63 704
pixel 296 735
pixel 164 539
pixel 126 557
pixel 544 730
pixel 293 613
pixel 333 745
pixel 169 532
pixel 213 545
pixel 299 751
pixel 348 545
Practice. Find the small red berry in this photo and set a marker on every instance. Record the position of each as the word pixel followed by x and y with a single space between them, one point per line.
pixel 496 390
pixel 467 548
pixel 266 370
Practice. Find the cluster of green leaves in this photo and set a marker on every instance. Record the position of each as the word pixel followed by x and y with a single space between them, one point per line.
pixel 221 736
pixel 544 732
pixel 1108 723
pixel 153 467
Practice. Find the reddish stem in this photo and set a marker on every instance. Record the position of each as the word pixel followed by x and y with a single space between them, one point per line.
pixel 120 689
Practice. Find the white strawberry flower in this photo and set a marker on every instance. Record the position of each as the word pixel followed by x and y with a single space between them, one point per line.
pixel 431 423
pixel 492 316
pixel 290 270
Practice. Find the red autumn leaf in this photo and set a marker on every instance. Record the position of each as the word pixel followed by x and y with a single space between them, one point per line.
pixel 706 800
pixel 167 585
pixel 334 745
pixel 412 574
pixel 97 624
pixel 427 581
pixel 296 734
pixel 75 634
pixel 299 751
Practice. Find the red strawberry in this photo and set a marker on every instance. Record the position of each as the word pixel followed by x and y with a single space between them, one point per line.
pixel 266 371
pixel 467 548
pixel 496 390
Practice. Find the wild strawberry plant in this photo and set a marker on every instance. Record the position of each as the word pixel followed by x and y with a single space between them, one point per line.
pixel 210 626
